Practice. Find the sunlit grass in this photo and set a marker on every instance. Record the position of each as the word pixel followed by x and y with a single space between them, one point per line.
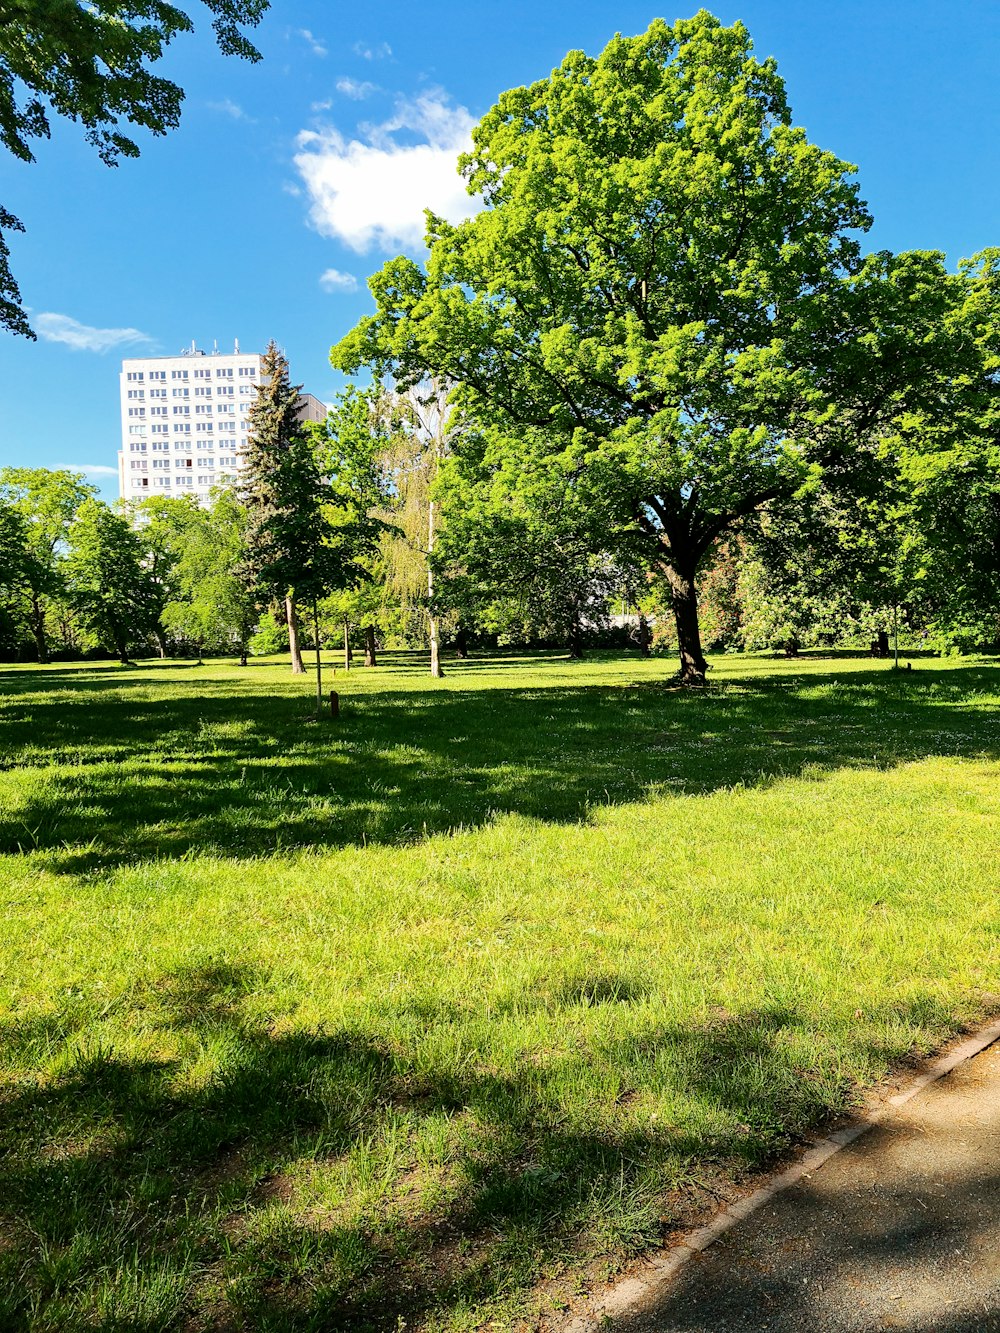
pixel 315 1024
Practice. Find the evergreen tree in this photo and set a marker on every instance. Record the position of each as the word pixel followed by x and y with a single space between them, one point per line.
pixel 292 553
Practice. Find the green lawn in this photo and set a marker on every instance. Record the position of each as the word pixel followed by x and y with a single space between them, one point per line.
pixel 316 1025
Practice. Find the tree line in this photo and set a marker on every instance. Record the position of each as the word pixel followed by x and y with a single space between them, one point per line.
pixel 654 387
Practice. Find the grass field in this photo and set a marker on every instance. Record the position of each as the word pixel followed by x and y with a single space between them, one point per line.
pixel 427 1013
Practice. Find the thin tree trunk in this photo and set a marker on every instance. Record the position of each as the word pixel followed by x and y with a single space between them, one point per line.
pixel 38 628
pixel 461 642
pixel 684 598
pixel 161 641
pixel 348 655
pixel 370 657
pixel 243 652
pixel 319 663
pixel 291 615
pixel 434 626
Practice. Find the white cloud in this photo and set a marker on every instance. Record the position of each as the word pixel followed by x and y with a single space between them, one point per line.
pixel 315 44
pixel 81 337
pixel 380 52
pixel 373 192
pixel 321 106
pixel 335 281
pixel 89 469
pixel 227 107
pixel 353 88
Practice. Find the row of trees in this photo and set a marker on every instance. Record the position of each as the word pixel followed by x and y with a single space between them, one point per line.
pixel 654 372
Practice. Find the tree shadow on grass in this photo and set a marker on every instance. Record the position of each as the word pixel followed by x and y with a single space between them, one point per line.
pixel 287 1189
pixel 104 779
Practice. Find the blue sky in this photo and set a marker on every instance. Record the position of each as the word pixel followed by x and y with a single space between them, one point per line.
pixel 290 181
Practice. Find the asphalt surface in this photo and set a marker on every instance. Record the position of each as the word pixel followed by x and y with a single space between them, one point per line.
pixel 900 1230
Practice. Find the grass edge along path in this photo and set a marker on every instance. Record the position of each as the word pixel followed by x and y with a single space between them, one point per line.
pixel 330 1088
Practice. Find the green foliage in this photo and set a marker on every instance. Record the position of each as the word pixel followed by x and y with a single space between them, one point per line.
pixel 166 526
pixel 47 502
pixel 108 579
pixel 89 62
pixel 211 606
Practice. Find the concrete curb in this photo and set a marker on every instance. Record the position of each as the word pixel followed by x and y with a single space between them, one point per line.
pixel 660 1269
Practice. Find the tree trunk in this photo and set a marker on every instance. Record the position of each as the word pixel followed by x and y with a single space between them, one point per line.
pixel 38 628
pixel 575 640
pixel 243 652
pixel 298 669
pixel 461 642
pixel 319 662
pixel 370 657
pixel 684 598
pixel 348 655
pixel 161 641
pixel 643 635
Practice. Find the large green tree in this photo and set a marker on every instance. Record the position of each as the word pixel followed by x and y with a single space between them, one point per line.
pixel 108 578
pixel 89 61
pixel 166 525
pixel 209 605
pixel 47 500
pixel 665 282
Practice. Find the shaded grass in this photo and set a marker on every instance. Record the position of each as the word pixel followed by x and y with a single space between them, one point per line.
pixel 314 1025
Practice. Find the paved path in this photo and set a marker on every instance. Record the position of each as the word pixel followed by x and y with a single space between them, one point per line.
pixel 900 1230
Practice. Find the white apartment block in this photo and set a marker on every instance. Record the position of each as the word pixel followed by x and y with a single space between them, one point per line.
pixel 184 420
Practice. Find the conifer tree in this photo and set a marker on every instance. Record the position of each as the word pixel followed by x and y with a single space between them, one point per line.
pixel 291 549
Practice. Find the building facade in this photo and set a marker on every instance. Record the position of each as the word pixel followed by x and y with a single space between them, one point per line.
pixel 184 420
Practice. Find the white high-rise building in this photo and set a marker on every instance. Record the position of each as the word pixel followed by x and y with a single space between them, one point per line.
pixel 184 420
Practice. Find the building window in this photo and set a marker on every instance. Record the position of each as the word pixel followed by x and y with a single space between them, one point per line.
pixel 203 393
pixel 137 411
pixel 138 465
pixel 224 374
pixel 137 430
pixel 160 446
pixel 157 393
pixel 178 374
pixel 157 374
pixel 248 372
pixel 135 375
pixel 182 411
pixel 203 374
pixel 181 393
pixel 203 426
pixel 137 393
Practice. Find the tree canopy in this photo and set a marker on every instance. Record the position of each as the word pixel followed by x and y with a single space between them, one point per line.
pixel 666 285
pixel 90 62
